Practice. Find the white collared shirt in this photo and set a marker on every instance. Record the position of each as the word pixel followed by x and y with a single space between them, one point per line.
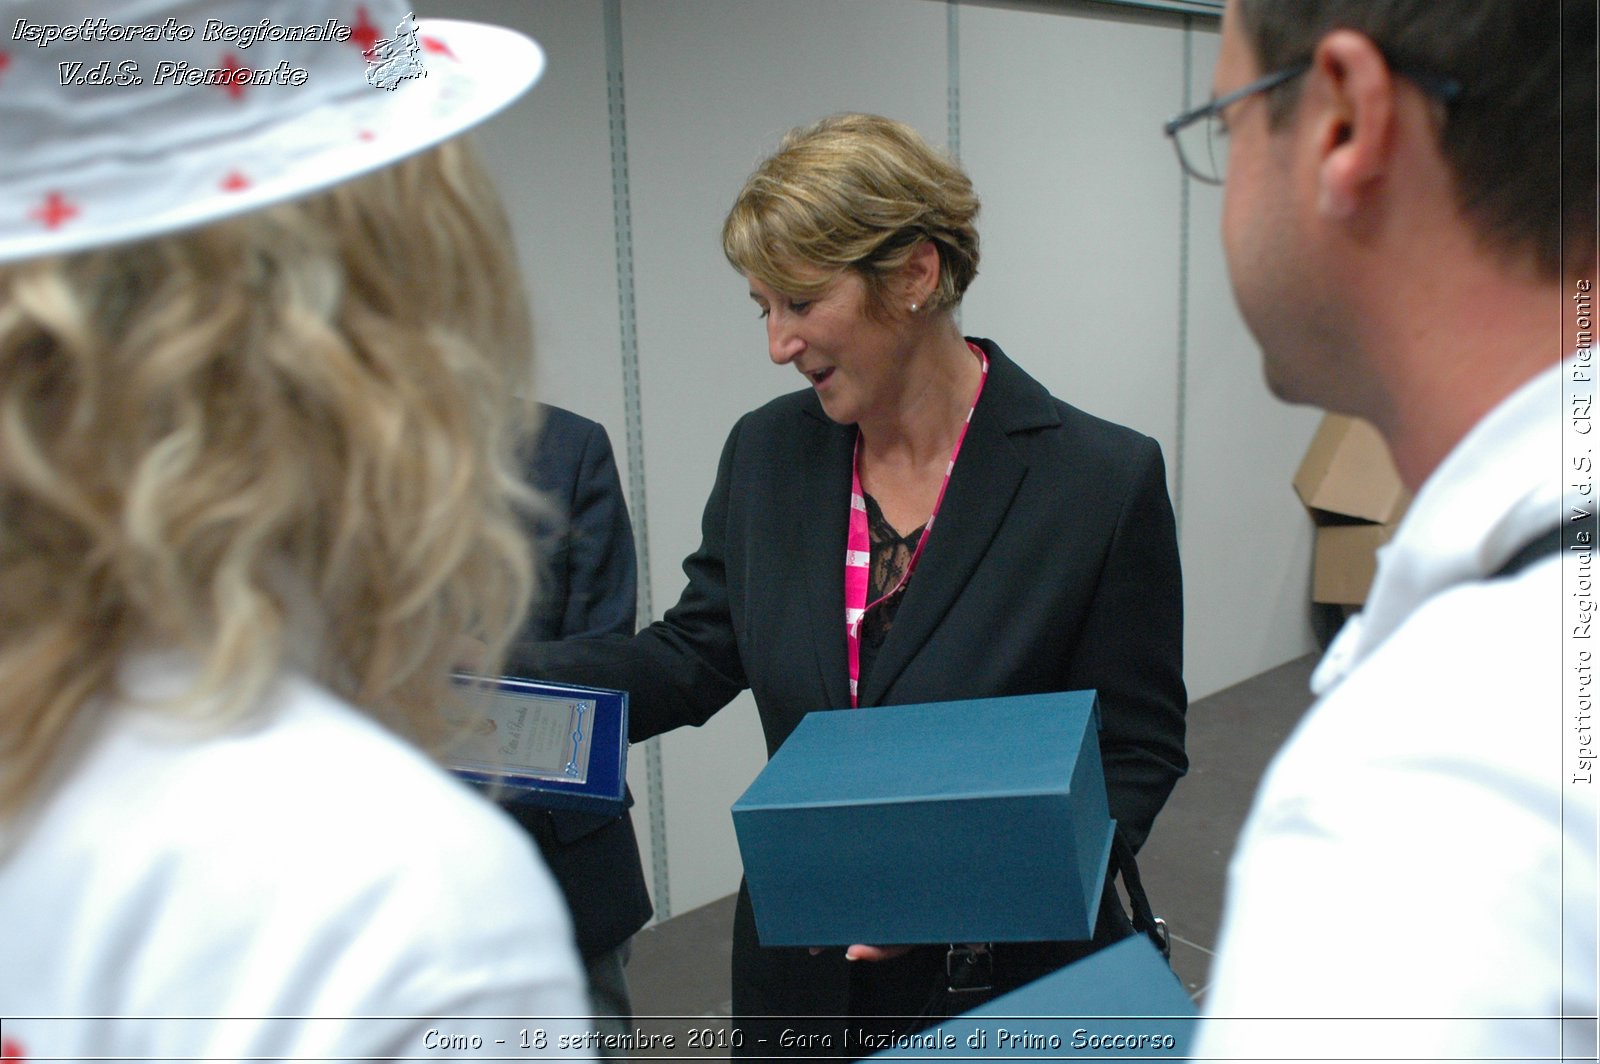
pixel 1416 877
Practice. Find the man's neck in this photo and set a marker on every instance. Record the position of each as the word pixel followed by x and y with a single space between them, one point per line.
pixel 1457 349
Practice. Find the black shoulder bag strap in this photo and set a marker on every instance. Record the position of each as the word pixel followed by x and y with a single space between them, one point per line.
pixel 1534 550
pixel 1145 921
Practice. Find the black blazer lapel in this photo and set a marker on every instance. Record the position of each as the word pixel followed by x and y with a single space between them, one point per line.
pixel 822 519
pixel 983 486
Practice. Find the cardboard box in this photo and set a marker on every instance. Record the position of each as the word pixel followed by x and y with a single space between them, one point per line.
pixel 971 821
pixel 1347 471
pixel 556 746
pixel 1349 484
pixel 1346 561
pixel 1122 1001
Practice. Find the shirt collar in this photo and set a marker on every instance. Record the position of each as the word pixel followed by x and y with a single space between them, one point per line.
pixel 1499 487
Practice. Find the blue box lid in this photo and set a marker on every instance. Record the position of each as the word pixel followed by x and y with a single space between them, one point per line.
pixel 1122 1001
pixel 919 761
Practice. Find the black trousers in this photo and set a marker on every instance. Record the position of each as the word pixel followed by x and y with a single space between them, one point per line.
pixel 881 999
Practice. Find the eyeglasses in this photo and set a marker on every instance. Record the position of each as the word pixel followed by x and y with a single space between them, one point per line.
pixel 1200 136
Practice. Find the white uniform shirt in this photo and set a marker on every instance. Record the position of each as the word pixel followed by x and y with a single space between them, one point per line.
pixel 1410 857
pixel 307 865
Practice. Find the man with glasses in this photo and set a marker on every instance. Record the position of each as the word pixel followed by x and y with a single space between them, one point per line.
pixel 1409 223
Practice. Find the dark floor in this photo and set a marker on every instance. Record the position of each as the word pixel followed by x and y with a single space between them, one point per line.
pixel 679 969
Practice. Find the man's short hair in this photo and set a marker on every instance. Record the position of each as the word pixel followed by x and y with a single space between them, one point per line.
pixel 1520 138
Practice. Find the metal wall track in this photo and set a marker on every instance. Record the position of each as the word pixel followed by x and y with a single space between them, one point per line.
pixel 1181 428
pixel 622 223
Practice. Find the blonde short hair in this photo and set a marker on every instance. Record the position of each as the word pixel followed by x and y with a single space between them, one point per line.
pixel 853 192
pixel 283 440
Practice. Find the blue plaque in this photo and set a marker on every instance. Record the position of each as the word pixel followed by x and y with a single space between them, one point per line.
pixel 560 746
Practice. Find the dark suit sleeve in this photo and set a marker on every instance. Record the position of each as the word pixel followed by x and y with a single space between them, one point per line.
pixel 602 576
pixel 1132 651
pixel 589 590
pixel 681 669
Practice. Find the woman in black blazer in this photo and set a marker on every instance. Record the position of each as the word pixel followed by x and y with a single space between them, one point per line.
pixel 1052 565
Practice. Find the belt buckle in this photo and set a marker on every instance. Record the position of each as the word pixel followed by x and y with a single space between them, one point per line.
pixel 1164 938
pixel 969 969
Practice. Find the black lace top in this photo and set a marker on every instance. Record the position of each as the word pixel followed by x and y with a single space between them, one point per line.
pixel 891 553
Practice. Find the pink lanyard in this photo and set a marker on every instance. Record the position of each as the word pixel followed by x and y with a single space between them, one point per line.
pixel 858 542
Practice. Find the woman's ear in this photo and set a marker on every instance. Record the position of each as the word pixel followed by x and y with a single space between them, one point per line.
pixel 920 274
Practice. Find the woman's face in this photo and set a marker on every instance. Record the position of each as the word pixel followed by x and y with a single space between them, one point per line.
pixel 852 360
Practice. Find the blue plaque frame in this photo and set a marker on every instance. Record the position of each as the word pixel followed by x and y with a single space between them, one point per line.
pixel 601 789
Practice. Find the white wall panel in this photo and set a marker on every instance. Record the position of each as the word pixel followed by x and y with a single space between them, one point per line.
pixel 1246 540
pixel 711 86
pixel 1060 115
pixel 552 156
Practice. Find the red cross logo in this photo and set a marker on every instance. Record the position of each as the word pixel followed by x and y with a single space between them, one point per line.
pixel 363 34
pixel 437 47
pixel 10 1049
pixel 55 211
pixel 5 61
pixel 235 182
pixel 237 77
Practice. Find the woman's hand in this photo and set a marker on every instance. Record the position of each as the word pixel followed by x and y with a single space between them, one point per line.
pixel 870 953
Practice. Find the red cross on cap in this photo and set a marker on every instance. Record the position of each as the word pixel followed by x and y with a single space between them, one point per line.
pixel 364 35
pixel 55 211
pixel 238 76
pixel 437 47
pixel 234 182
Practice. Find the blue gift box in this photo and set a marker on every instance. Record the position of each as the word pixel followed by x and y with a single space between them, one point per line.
pixel 1122 1001
pixel 552 745
pixel 973 821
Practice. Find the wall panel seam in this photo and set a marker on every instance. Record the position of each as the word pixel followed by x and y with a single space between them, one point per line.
pixel 622 223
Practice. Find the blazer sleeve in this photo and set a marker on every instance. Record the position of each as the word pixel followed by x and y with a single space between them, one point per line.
pixel 602 572
pixel 681 669
pixel 1131 649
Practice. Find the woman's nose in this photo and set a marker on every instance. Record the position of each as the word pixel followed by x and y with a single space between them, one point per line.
pixel 783 341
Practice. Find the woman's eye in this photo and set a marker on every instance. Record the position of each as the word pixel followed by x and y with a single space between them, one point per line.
pixel 795 306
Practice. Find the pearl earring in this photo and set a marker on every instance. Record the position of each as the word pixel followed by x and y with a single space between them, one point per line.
pixel 915 307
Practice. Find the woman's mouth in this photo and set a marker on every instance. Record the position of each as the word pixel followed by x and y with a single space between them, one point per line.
pixel 817 376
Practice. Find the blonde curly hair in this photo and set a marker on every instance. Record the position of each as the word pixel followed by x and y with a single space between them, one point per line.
pixel 280 441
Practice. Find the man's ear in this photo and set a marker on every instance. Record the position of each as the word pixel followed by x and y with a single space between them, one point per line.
pixel 1354 119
